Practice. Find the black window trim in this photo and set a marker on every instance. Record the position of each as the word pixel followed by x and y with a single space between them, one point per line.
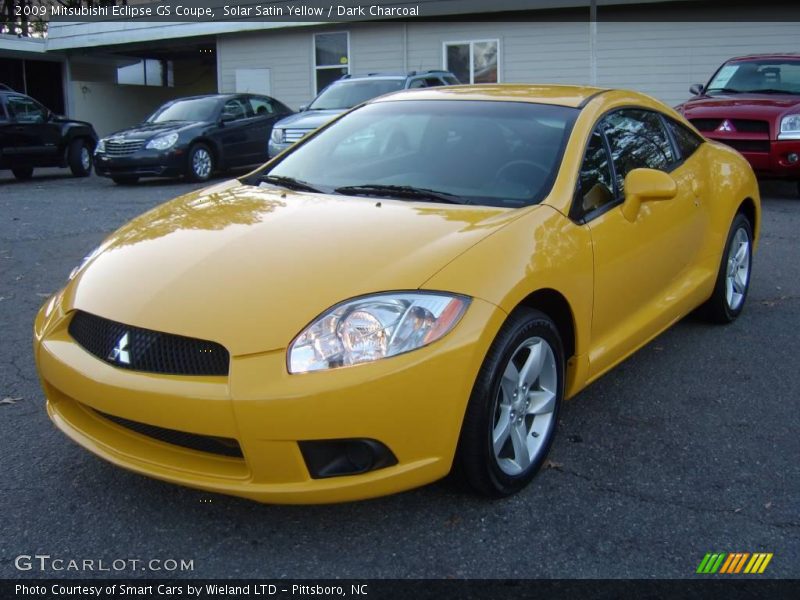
pixel 575 209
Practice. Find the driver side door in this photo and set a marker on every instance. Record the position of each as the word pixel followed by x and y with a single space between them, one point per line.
pixel 642 267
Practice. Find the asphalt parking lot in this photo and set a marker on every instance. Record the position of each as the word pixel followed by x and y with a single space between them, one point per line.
pixel 689 447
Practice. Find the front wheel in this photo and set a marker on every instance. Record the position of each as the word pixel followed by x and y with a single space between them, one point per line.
pixel 23 173
pixel 512 413
pixel 201 163
pixel 79 158
pixel 733 278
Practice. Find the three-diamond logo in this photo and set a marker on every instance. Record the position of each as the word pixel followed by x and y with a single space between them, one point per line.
pixel 732 563
pixel 120 353
pixel 726 125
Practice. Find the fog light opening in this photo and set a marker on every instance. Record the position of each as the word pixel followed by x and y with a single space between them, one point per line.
pixel 792 158
pixel 335 458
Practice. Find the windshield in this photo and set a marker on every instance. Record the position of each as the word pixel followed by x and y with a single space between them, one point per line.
pixel 771 76
pixel 195 109
pixel 476 152
pixel 347 94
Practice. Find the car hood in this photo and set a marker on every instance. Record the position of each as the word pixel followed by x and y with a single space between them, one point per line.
pixel 309 119
pixel 145 131
pixel 740 105
pixel 250 267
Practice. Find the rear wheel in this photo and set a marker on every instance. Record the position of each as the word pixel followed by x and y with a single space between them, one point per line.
pixel 512 413
pixel 125 180
pixel 79 158
pixel 23 173
pixel 201 163
pixel 733 279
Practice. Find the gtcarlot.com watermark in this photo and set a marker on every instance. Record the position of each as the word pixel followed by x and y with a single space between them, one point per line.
pixel 45 563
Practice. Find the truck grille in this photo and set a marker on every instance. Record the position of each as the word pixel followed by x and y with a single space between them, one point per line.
pixel 740 125
pixel 293 135
pixel 747 145
pixel 123 148
pixel 140 349
pixel 184 439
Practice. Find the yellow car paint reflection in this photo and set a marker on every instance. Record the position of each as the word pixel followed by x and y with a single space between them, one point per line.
pixel 250 267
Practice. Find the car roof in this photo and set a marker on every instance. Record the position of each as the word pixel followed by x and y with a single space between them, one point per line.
pixel 574 96
pixel 793 55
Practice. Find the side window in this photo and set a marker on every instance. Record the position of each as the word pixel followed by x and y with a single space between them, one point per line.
pixel 416 84
pixel 25 110
pixel 595 180
pixel 638 140
pixel 234 110
pixel 433 82
pixel 261 107
pixel 686 140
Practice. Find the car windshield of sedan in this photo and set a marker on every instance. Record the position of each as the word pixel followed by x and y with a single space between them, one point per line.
pixel 768 76
pixel 347 94
pixel 456 151
pixel 195 109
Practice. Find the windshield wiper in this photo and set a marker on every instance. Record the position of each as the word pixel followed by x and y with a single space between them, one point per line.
pixel 724 90
pixel 290 183
pixel 400 191
pixel 769 91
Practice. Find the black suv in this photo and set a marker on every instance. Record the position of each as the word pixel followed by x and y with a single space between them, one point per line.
pixel 32 136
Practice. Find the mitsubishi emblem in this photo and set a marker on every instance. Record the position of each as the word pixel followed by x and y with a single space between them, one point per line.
pixel 120 353
pixel 726 126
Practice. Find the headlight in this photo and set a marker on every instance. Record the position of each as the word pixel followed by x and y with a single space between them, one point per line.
pixel 85 260
pixel 162 142
pixel 374 327
pixel 101 146
pixel 790 128
pixel 277 136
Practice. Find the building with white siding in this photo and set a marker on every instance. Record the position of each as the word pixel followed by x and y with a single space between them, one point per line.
pixel 659 47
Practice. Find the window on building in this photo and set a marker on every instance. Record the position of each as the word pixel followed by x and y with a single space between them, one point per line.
pixel 150 72
pixel 473 62
pixel 331 58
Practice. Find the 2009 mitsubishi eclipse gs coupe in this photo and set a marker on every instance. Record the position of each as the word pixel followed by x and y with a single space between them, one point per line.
pixel 417 286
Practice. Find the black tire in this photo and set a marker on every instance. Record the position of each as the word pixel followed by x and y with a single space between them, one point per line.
pixel 718 308
pixel 79 158
pixel 193 170
pixel 125 180
pixel 23 173
pixel 476 460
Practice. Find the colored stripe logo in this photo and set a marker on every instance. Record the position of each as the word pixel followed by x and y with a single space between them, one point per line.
pixel 732 563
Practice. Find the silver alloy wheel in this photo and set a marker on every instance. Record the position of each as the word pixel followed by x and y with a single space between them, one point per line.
pixel 525 405
pixel 737 275
pixel 201 163
pixel 86 158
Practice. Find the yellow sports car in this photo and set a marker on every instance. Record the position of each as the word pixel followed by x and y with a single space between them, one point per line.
pixel 412 289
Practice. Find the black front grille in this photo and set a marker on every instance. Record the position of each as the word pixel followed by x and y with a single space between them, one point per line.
pixel 739 125
pixel 750 126
pixel 706 124
pixel 140 349
pixel 193 441
pixel 748 145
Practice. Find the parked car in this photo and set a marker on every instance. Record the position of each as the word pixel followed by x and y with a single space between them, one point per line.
pixel 32 136
pixel 192 137
pixel 752 103
pixel 354 319
pixel 345 93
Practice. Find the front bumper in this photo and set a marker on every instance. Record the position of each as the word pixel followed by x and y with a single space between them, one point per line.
pixel 769 160
pixel 413 403
pixel 144 163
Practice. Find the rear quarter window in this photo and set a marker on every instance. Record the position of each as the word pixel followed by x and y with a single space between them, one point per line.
pixel 686 140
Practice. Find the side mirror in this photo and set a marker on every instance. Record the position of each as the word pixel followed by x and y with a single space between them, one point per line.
pixel 303 108
pixel 696 89
pixel 645 185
